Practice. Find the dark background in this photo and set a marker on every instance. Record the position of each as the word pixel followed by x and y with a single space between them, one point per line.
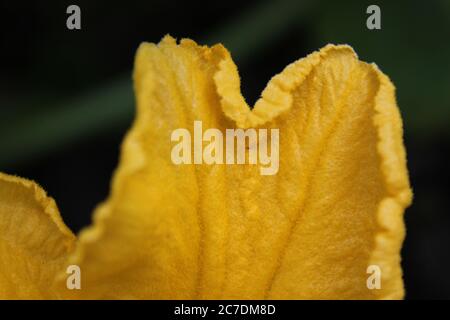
pixel 66 98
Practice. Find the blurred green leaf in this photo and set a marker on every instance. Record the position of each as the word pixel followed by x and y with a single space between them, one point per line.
pixel 28 137
pixel 412 48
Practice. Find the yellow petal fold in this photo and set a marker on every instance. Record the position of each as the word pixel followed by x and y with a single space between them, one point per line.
pixel 34 241
pixel 224 231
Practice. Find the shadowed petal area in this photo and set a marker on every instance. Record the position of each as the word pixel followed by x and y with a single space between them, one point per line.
pixel 225 231
pixel 34 241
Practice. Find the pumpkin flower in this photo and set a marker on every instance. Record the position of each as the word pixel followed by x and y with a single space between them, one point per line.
pixel 310 231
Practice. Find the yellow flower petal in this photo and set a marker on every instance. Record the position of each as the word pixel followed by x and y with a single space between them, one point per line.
pixel 224 231
pixel 34 242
